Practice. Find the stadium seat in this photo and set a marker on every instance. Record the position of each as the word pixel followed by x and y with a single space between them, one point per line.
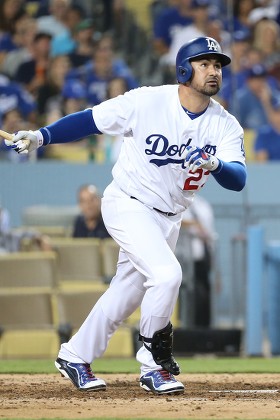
pixel 28 325
pixel 79 262
pixel 28 270
pixel 74 306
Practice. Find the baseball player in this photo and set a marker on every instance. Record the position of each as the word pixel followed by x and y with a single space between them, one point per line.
pixel 174 138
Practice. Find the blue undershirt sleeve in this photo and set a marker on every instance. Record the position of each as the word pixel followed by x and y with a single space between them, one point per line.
pixel 231 175
pixel 70 128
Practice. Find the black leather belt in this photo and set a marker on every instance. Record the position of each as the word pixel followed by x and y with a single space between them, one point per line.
pixel 167 213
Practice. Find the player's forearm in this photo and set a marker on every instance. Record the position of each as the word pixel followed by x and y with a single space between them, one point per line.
pixel 70 128
pixel 231 176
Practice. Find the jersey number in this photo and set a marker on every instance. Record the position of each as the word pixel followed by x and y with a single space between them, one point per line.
pixel 191 181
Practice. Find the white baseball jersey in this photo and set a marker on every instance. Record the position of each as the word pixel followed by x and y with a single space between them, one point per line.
pixel 156 131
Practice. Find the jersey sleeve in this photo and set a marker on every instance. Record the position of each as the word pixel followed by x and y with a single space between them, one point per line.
pixel 231 147
pixel 116 116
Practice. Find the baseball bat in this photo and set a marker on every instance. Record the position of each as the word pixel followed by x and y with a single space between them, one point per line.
pixel 6 135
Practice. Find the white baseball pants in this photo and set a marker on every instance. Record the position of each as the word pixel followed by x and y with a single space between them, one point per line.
pixel 148 274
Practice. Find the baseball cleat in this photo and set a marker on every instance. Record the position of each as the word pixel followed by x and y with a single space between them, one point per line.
pixel 80 374
pixel 161 382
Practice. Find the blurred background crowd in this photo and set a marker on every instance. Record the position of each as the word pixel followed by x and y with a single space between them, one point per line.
pixel 62 56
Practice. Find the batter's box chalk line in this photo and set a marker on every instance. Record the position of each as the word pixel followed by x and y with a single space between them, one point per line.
pixel 246 391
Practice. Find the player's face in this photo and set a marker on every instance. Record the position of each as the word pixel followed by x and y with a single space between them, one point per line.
pixel 207 76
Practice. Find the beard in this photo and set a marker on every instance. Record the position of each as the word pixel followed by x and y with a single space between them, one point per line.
pixel 207 89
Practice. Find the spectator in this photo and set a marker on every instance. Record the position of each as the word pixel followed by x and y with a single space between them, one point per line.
pixel 64 42
pixel 89 223
pixel 13 96
pixel 264 9
pixel 32 74
pixel 241 13
pixel 71 99
pixel 10 10
pixel 267 142
pixel 84 38
pixel 54 22
pixel 266 39
pixel 37 9
pixel 103 67
pixel 12 120
pixel 199 27
pixel 50 92
pixel 258 99
pixel 25 31
pixel 167 22
pixel 235 77
pixel 198 223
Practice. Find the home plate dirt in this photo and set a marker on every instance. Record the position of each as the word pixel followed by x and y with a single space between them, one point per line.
pixel 231 396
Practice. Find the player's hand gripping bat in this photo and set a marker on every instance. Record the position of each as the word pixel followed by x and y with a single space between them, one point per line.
pixel 23 141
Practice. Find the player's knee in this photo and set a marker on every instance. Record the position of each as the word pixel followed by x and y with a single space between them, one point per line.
pixel 168 276
pixel 173 277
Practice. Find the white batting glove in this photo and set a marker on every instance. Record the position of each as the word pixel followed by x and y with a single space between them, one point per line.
pixel 198 158
pixel 26 141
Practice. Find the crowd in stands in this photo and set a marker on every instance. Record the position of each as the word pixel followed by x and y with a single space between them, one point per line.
pixel 61 56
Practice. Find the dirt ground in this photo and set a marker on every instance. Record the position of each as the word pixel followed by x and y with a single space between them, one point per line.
pixel 231 396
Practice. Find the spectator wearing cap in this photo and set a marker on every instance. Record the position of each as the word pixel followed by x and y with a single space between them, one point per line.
pixel 32 73
pixel 84 39
pixel 267 11
pixel 258 99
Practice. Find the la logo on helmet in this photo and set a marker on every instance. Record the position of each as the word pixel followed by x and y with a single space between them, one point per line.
pixel 212 45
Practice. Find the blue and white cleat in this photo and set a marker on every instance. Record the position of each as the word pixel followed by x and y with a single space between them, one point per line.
pixel 161 382
pixel 81 375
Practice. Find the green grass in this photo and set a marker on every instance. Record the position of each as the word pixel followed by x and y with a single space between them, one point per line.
pixel 188 365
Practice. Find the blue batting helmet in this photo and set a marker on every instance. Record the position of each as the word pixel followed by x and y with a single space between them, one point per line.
pixel 197 47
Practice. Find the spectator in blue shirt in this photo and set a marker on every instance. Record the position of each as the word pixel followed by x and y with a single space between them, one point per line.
pixel 13 96
pixel 89 224
pixel 257 99
pixel 267 142
pixel 167 22
pixel 97 73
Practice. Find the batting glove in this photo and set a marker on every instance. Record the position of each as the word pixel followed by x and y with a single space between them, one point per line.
pixel 198 158
pixel 26 141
